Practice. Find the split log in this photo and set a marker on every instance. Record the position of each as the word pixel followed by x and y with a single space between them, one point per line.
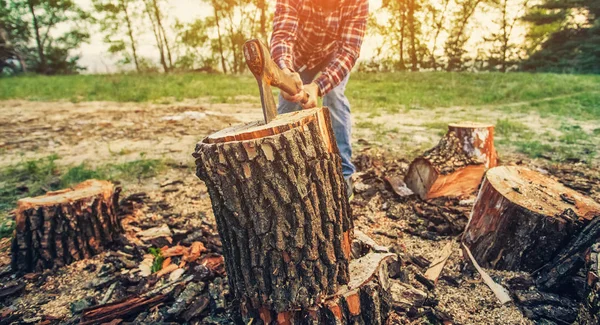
pixel 121 309
pixel 456 165
pixel 522 218
pixel 64 226
pixel 279 199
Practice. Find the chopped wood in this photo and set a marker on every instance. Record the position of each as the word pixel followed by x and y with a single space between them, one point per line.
pixel 399 186
pixel 156 232
pixel 437 266
pixel 215 263
pixel 119 310
pixel 175 251
pixel 11 289
pixel 65 226
pixel 195 251
pixel 170 268
pixel 520 222
pixel 456 165
pixel 272 188
pixel 500 292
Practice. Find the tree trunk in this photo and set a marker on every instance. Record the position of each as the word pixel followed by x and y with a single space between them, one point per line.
pixel 413 41
pixel 456 165
pixel 521 219
pixel 279 199
pixel 130 34
pixel 161 32
pixel 38 40
pixel 157 37
pixel 219 37
pixel 64 226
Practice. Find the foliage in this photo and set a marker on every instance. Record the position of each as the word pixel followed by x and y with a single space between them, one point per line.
pixel 158 259
pixel 51 52
pixel 570 34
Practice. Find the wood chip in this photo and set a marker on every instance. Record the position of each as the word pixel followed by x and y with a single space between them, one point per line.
pixel 498 290
pixel 437 266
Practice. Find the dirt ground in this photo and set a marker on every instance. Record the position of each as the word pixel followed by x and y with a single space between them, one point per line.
pixel 102 132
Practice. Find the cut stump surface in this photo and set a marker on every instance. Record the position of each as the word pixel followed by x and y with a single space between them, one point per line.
pixel 64 226
pixel 455 166
pixel 521 219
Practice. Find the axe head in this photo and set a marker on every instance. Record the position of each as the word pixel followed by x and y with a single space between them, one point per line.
pixel 262 66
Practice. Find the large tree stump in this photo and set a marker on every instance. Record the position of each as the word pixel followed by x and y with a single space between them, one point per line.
pixel 279 199
pixel 64 226
pixel 589 312
pixel 521 219
pixel 456 165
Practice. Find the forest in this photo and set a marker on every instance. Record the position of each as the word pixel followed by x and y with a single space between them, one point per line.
pixel 44 36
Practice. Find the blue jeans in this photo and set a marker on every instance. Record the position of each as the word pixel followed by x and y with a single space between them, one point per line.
pixel 339 109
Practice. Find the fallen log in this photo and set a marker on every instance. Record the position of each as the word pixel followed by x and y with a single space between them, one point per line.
pixel 456 165
pixel 521 219
pixel 279 199
pixel 64 226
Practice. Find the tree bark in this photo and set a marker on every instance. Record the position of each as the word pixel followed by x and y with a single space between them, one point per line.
pixel 130 34
pixel 521 219
pixel 456 165
pixel 279 199
pixel 159 43
pixel 64 226
pixel 38 40
pixel 589 312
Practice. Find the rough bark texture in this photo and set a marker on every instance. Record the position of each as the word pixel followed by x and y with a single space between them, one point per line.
pixel 64 226
pixel 589 312
pixel 456 165
pixel 281 210
pixel 521 219
pixel 364 300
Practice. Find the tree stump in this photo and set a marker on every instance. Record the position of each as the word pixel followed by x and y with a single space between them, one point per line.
pixel 64 226
pixel 589 312
pixel 521 219
pixel 279 199
pixel 456 165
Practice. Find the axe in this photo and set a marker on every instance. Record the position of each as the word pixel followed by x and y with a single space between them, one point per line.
pixel 268 74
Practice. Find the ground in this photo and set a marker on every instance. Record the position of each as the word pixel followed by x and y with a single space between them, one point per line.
pixel 146 147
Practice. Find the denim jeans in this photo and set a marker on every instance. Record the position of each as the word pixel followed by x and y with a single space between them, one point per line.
pixel 339 109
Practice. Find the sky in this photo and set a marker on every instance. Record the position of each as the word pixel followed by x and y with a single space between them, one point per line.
pixel 95 57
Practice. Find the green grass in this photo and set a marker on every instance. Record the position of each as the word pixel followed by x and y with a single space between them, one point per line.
pixel 36 177
pixel 508 128
pixel 371 93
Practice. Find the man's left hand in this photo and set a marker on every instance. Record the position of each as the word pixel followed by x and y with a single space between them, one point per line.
pixel 312 90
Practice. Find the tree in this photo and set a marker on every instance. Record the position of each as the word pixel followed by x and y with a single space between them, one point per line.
pixel 570 36
pixel 459 35
pixel 193 38
pixel 52 52
pixel 156 16
pixel 504 52
pixel 117 22
pixel 438 17
pixel 14 36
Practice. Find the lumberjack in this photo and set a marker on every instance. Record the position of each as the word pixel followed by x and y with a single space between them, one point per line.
pixel 317 43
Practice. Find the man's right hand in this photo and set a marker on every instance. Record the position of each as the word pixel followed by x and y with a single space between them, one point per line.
pixel 299 85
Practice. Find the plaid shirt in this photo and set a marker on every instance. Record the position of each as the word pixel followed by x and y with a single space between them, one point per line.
pixel 304 36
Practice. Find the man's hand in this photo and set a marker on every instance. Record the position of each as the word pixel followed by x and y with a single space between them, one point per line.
pixel 295 98
pixel 312 90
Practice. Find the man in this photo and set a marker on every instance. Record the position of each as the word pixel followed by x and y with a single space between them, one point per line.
pixel 318 42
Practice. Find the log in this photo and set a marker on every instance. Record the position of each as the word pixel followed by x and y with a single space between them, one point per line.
pixel 278 195
pixel 64 226
pixel 456 165
pixel 589 311
pixel 521 219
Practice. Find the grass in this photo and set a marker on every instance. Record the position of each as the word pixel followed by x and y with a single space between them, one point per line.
pixel 371 93
pixel 36 177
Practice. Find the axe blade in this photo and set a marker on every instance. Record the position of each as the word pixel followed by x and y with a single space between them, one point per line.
pixel 260 63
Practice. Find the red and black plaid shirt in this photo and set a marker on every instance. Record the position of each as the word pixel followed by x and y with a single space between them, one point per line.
pixel 304 36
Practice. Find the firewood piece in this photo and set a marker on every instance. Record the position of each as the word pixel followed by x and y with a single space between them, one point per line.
pixel 456 165
pixel 570 260
pixel 279 199
pixel 11 289
pixel 589 311
pixel 498 290
pixel 519 222
pixel 106 313
pixel 64 226
pixel 437 266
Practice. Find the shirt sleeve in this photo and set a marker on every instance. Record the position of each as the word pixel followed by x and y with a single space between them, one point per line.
pixel 285 25
pixel 353 31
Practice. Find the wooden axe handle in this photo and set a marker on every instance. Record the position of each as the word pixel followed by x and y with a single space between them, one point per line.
pixel 266 69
